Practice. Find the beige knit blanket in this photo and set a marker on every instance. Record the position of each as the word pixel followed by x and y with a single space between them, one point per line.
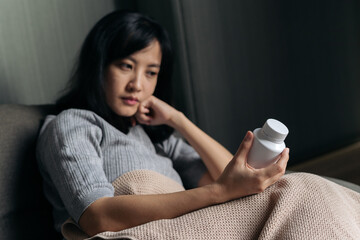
pixel 299 206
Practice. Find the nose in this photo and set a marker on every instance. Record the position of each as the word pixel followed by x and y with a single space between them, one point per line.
pixel 135 84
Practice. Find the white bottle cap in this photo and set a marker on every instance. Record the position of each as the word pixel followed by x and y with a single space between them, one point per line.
pixel 275 131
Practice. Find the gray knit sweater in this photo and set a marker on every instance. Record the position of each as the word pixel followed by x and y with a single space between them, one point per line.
pixel 80 154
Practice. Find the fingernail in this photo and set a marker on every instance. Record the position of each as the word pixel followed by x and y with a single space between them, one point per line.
pixel 247 136
pixel 287 150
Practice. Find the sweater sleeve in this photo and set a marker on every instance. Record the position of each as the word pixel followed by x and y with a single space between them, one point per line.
pixel 69 151
pixel 186 160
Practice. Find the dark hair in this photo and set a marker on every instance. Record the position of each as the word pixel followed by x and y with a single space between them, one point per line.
pixel 116 36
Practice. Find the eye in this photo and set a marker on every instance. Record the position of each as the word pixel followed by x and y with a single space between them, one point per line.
pixel 125 66
pixel 152 74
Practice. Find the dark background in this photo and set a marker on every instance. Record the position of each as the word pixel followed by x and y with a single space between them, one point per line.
pixel 238 63
pixel 247 61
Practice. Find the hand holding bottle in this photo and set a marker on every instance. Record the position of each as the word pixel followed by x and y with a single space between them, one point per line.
pixel 240 179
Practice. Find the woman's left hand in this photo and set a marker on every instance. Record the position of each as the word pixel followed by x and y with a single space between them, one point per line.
pixel 154 111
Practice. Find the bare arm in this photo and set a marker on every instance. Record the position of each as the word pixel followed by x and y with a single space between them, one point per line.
pixel 213 154
pixel 237 180
pixel 122 212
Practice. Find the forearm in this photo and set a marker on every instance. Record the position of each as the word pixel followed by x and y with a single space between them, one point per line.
pixel 237 180
pixel 122 212
pixel 213 154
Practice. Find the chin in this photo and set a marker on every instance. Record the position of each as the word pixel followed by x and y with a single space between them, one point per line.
pixel 126 113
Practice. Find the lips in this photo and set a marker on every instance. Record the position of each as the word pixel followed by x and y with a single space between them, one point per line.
pixel 130 100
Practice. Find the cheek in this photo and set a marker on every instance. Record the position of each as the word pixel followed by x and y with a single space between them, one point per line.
pixel 113 84
pixel 110 90
pixel 151 87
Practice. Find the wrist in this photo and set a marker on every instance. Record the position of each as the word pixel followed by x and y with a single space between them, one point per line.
pixel 216 193
pixel 176 120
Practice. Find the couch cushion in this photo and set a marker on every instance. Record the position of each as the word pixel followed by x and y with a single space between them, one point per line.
pixel 24 212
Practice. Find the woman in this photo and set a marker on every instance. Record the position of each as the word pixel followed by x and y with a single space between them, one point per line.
pixel 105 130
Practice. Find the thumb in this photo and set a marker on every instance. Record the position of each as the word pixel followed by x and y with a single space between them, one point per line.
pixel 147 103
pixel 245 146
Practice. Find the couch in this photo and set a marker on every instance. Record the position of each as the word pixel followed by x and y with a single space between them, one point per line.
pixel 24 211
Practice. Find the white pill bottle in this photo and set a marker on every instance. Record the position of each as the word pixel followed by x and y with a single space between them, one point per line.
pixel 268 144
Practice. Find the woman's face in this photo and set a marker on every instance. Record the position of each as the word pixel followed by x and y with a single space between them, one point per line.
pixel 131 80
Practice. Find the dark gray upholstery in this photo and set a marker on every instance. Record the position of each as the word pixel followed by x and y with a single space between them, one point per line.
pixel 24 212
pixel 343 183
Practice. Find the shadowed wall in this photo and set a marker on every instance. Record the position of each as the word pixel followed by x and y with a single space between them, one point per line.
pixel 237 62
pixel 241 62
pixel 39 42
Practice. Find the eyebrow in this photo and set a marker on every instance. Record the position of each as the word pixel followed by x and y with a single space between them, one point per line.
pixel 150 65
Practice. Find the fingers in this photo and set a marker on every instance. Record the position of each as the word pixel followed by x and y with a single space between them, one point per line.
pixel 245 146
pixel 251 180
pixel 147 111
pixel 143 115
pixel 284 158
pixel 276 170
pixel 143 119
pixel 143 109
